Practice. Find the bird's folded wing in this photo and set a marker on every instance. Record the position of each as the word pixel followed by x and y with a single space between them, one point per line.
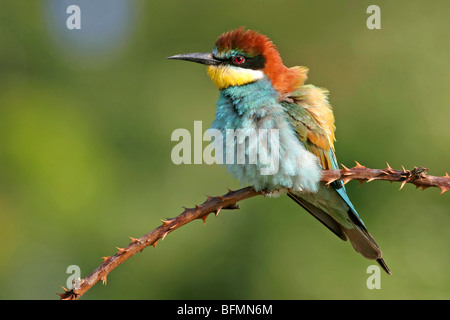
pixel 312 118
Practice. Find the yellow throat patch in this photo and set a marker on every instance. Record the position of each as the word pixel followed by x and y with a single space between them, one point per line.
pixel 227 76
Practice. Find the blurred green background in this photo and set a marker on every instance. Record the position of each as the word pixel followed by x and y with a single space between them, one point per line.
pixel 86 118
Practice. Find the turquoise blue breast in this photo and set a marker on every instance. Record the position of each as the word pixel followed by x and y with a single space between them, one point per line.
pixel 255 108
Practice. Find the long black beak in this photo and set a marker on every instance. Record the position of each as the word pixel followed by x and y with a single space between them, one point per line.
pixel 203 58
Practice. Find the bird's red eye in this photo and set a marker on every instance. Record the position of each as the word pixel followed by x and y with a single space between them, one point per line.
pixel 239 59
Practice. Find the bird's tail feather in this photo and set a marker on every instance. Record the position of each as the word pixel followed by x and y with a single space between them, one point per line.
pixel 320 215
pixel 361 240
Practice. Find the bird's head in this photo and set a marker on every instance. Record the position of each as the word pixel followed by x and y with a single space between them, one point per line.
pixel 244 56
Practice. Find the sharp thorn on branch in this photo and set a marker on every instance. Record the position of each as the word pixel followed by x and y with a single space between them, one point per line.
pixel 164 235
pixel 120 250
pixel 358 165
pixel 133 240
pixel 403 184
pixel 165 222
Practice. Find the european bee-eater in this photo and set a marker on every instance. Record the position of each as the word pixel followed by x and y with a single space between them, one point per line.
pixel 257 91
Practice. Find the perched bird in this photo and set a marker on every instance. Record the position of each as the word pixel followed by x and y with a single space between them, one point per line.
pixel 257 91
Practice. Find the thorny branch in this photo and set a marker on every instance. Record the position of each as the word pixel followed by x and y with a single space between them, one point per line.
pixel 417 176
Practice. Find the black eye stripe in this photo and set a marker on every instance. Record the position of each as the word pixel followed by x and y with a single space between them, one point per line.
pixel 255 63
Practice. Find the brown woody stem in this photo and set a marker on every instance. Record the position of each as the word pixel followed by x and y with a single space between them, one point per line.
pixel 417 176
